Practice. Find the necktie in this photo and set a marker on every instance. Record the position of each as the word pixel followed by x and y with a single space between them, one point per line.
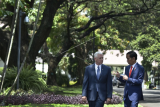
pixel 98 72
pixel 130 71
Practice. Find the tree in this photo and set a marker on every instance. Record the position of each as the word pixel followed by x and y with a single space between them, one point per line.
pixel 107 10
pixel 147 43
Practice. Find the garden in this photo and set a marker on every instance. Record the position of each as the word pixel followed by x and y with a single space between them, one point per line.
pixel 33 91
pixel 64 34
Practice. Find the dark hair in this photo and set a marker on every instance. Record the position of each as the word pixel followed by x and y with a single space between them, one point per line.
pixel 132 54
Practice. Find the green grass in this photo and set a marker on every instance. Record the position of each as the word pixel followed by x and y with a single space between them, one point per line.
pixel 68 91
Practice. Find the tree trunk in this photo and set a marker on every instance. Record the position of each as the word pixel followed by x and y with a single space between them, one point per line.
pixel 146 76
pixel 80 55
pixel 51 75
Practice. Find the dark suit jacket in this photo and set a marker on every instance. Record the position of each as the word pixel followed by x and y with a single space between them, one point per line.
pixel 133 86
pixel 90 83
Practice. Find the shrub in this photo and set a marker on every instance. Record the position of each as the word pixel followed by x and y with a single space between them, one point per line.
pixel 40 73
pixel 116 99
pixel 17 92
pixel 28 79
pixel 51 98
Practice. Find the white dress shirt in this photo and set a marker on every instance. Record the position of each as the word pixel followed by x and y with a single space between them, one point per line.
pixel 133 66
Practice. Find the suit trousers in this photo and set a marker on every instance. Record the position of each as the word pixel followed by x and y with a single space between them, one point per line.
pixel 97 103
pixel 128 103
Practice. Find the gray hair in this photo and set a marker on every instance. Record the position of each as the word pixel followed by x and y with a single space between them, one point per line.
pixel 96 54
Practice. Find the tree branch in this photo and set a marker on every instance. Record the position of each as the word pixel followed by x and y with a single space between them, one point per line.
pixel 144 4
pixel 108 16
pixel 92 29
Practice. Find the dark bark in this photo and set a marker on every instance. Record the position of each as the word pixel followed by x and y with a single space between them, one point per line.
pixel 54 60
pixel 146 76
pixel 80 56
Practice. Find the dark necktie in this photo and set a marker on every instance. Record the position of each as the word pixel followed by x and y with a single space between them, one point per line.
pixel 98 72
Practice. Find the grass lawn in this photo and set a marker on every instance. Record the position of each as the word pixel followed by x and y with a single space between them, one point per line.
pixel 69 91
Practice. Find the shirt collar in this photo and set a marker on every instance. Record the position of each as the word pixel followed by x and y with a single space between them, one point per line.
pixel 134 65
pixel 96 66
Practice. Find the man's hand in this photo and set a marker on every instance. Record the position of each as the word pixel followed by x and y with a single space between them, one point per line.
pixel 84 98
pixel 117 74
pixel 125 77
pixel 108 100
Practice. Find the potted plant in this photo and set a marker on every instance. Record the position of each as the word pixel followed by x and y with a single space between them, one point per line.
pixel 157 85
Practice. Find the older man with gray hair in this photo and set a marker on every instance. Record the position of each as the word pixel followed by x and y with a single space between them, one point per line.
pixel 97 83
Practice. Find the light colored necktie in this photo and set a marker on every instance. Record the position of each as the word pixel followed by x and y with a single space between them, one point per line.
pixel 98 72
pixel 130 71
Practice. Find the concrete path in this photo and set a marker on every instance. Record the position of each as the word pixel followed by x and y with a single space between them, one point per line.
pixel 151 97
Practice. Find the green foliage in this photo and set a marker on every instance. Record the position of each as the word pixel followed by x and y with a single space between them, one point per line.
pixel 28 79
pixel 107 40
pixel 63 64
pixel 111 40
pixel 148 44
pixel 16 92
pixel 8 13
pixel 40 73
pixel 146 64
pixel 147 83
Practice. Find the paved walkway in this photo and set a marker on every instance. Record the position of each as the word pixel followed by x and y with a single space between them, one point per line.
pixel 151 97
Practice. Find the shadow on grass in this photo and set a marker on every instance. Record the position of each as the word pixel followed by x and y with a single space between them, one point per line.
pixel 68 91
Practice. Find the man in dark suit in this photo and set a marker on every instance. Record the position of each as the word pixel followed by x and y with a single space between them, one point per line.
pixel 134 74
pixel 97 83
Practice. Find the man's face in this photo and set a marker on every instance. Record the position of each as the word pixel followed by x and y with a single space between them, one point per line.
pixel 99 59
pixel 130 60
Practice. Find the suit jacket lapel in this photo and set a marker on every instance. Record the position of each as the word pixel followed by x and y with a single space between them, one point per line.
pixel 101 71
pixel 134 69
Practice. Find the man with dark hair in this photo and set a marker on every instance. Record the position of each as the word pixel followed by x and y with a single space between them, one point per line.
pixel 132 54
pixel 133 78
pixel 97 83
